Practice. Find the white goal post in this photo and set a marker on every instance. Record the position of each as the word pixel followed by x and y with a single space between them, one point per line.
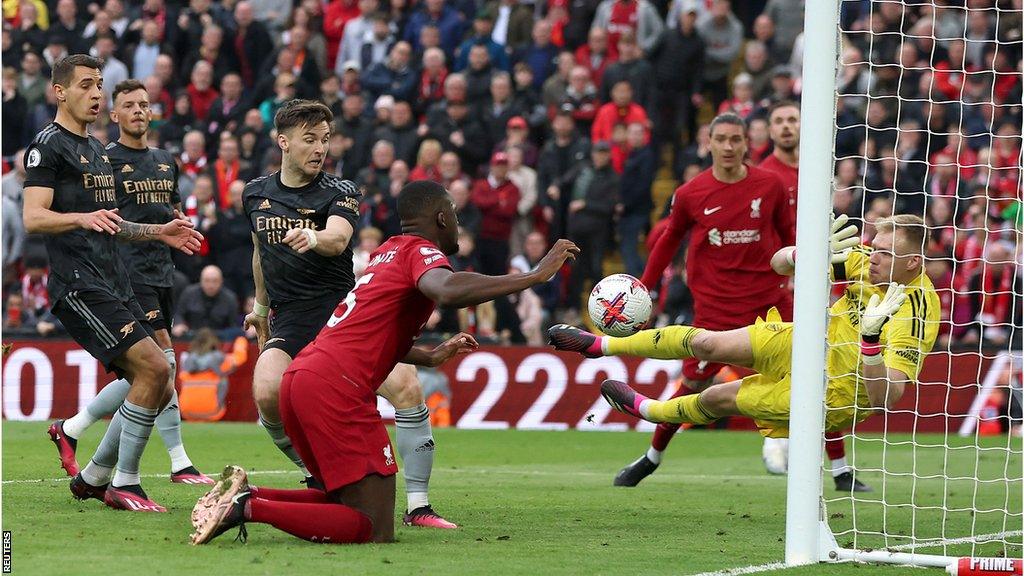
pixel 939 496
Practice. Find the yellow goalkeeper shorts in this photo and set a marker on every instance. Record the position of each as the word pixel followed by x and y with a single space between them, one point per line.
pixel 765 396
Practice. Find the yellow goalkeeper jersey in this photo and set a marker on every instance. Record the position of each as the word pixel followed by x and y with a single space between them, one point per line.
pixel 906 338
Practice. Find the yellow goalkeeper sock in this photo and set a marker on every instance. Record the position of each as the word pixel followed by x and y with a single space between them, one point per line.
pixel 668 343
pixel 686 409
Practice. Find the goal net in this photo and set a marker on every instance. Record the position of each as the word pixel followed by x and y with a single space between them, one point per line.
pixel 927 121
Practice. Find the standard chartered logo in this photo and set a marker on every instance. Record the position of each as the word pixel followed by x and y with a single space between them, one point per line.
pixel 718 238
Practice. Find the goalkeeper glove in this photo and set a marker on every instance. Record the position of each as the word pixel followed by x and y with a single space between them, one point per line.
pixel 842 239
pixel 876 314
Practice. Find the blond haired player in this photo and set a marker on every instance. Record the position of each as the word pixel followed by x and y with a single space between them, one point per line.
pixel 879 333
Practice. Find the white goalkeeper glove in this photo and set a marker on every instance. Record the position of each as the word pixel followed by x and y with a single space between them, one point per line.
pixel 876 314
pixel 842 239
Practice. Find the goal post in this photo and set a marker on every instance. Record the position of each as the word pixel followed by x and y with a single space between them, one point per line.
pixel 811 283
pixel 914 96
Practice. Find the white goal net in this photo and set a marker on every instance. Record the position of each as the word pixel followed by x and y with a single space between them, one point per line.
pixel 928 122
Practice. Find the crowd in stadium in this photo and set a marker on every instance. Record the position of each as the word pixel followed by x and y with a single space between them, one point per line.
pixel 544 120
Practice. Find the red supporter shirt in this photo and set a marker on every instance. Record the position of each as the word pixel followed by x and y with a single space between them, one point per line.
pixel 734 231
pixel 789 175
pixel 624 16
pixel 374 327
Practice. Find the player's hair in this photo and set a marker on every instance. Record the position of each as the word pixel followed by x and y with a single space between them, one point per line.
pixel 782 104
pixel 910 227
pixel 298 113
pixel 125 86
pixel 420 197
pixel 728 118
pixel 64 69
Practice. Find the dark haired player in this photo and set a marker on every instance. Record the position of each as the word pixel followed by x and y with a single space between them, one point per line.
pixel 328 402
pixel 302 221
pixel 146 182
pixel 70 197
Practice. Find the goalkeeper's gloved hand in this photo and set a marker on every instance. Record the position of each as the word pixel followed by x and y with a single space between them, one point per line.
pixel 842 239
pixel 876 314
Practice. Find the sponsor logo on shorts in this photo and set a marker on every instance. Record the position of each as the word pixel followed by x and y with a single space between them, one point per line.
pixel 127 329
pixel 152 315
pixel 389 459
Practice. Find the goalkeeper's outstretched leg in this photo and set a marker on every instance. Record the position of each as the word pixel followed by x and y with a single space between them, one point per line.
pixel 713 403
pixel 668 343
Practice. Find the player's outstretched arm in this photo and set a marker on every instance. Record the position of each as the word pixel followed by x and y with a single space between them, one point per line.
pixel 39 219
pixel 458 344
pixel 178 233
pixel 462 289
pixel 842 237
pixel 331 241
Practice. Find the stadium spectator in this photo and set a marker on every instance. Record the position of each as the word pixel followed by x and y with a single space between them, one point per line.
pixel 450 169
pixel 251 43
pixel 638 17
pixel 534 248
pixel 635 197
pixel 401 132
pixel 15 112
pixel 525 179
pixel 459 132
pixel 470 217
pixel 554 87
pixel 208 304
pixel 594 55
pixel 498 110
pixel 231 243
pixel 993 292
pixel 679 95
pixel 433 80
pixel 427 160
pixel 393 77
pixel 228 111
pixel 370 239
pixel 633 68
pixel 722 33
pixel 200 89
pixel 621 110
pixel 357 130
pixel 483 30
pixel 513 23
pixel 32 86
pixel 212 51
pixel 742 101
pixel 374 179
pixel 560 161
pixel 497 197
pixel 581 97
pixel 13 236
pixel 595 194
pixel 228 168
pixel 193 160
pixel 540 54
pixel 204 376
pixel 517 135
pixel 446 19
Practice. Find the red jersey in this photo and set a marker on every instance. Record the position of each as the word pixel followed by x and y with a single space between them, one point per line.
pixel 734 231
pixel 789 175
pixel 374 327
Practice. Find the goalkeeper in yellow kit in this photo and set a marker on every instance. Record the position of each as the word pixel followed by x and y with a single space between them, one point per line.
pixel 879 333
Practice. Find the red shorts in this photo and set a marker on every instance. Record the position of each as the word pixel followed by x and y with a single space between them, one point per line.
pixel 335 427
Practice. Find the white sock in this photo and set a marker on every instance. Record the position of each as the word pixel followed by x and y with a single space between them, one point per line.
pixel 126 479
pixel 416 500
pixel 75 426
pixel 644 404
pixel 604 345
pixel 839 466
pixel 654 455
pixel 95 474
pixel 179 459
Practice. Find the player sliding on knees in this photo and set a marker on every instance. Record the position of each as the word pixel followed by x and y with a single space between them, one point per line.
pixel 879 333
pixel 328 402
pixel 146 182
pixel 302 222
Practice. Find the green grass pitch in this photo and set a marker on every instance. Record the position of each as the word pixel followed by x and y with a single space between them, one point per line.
pixel 528 503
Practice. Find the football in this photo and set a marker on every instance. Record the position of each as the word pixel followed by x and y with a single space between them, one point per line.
pixel 619 305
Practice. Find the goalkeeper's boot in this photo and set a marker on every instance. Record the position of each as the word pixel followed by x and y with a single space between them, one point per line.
pixel 775 454
pixel 636 471
pixel 425 517
pixel 66 447
pixel 622 397
pixel 131 498
pixel 223 508
pixel 847 482
pixel 82 490
pixel 572 339
pixel 190 475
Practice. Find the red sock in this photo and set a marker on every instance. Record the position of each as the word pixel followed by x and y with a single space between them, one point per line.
pixel 333 523
pixel 307 495
pixel 835 447
pixel 664 432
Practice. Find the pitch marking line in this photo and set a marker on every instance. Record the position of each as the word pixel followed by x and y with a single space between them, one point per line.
pixel 980 539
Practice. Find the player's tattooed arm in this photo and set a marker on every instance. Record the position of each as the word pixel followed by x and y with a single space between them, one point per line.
pixel 177 233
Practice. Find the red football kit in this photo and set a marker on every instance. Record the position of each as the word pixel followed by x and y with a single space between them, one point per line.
pixel 328 394
pixel 789 175
pixel 734 230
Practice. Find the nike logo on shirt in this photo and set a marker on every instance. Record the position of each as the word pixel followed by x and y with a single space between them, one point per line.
pixel 710 211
